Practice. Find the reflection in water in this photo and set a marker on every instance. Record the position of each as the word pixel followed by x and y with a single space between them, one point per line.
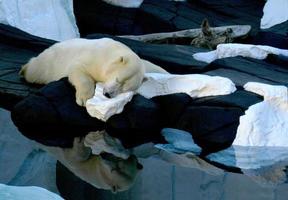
pixel 158 180
pixel 162 180
pixel 105 172
pixel 266 165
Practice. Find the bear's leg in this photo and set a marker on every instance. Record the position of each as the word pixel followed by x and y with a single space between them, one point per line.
pixel 84 85
pixel 78 153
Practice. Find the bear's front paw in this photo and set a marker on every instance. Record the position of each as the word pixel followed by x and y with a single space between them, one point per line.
pixel 83 95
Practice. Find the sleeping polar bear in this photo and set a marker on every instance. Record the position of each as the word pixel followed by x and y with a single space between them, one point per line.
pixel 86 62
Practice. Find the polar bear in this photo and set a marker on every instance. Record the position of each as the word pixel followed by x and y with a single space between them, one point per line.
pixel 86 62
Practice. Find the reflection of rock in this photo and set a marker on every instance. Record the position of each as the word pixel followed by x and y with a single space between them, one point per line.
pixel 190 160
pixel 100 142
pixel 271 175
pixel 264 165
pixel 25 193
pixel 162 180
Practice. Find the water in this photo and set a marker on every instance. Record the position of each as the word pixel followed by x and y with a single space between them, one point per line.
pixel 22 163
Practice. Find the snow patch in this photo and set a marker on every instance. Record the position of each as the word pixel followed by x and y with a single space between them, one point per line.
pixel 265 123
pixel 275 12
pixel 52 19
pixel 195 85
pixel 125 3
pixel 233 49
pixel 26 193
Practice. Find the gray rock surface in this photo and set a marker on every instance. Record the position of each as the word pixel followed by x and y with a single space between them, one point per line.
pixel 21 161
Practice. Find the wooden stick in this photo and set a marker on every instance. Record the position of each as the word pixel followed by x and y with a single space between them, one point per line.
pixel 238 31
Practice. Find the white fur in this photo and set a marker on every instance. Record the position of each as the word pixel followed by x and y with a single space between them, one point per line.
pixel 86 62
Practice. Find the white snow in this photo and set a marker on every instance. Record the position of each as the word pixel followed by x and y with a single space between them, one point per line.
pixel 26 193
pixel 260 146
pixel 52 19
pixel 129 3
pixel 265 123
pixel 275 12
pixel 235 49
pixel 102 107
pixel 125 3
pixel 195 85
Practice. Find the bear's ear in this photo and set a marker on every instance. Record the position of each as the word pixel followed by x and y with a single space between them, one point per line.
pixel 123 59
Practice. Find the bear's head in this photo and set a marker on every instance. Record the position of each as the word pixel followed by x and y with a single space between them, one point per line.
pixel 125 73
pixel 120 174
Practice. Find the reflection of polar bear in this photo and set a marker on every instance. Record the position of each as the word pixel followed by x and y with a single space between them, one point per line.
pixel 102 171
pixel 86 62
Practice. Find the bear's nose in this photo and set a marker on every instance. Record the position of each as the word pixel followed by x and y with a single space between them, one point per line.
pixel 106 94
pixel 111 94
